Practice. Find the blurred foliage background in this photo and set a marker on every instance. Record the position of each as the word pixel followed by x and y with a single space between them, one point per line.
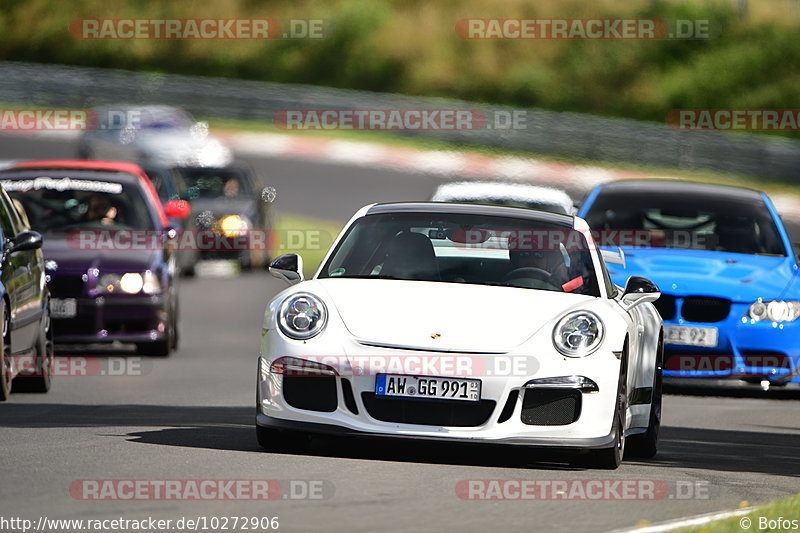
pixel 411 47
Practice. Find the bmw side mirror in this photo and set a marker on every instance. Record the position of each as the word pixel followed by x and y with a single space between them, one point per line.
pixel 288 267
pixel 639 290
pixel 25 240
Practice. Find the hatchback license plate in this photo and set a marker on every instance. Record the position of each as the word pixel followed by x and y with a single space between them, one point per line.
pixel 63 307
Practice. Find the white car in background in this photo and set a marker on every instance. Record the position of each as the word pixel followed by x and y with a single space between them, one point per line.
pixel 506 193
pixel 432 321
pixel 157 134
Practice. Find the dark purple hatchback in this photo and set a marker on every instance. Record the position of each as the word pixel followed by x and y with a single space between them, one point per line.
pixel 108 261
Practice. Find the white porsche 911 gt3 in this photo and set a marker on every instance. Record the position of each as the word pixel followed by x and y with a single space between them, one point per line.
pixel 463 322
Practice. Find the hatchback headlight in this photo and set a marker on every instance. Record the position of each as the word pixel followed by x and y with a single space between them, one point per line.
pixel 774 310
pixel 578 334
pixel 302 316
pixel 129 283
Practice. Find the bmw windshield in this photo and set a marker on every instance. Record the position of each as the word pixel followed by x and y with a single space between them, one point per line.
pixel 678 220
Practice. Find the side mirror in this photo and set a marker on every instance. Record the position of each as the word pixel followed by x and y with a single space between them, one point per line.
pixel 796 249
pixel 639 290
pixel 179 209
pixel 288 267
pixel 25 240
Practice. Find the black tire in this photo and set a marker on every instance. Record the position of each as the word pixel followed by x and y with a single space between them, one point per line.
pixel 44 353
pixel 646 446
pixel 610 458
pixel 281 440
pixel 157 348
pixel 175 337
pixel 5 357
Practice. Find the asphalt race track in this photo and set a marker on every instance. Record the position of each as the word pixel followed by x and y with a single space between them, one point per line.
pixel 190 416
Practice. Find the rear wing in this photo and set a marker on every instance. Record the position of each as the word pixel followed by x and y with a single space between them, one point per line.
pixel 614 257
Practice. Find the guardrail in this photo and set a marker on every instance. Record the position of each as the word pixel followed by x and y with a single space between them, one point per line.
pixel 569 135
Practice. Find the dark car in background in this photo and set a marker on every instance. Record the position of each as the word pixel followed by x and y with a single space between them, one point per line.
pixel 171 192
pixel 109 263
pixel 231 202
pixel 26 343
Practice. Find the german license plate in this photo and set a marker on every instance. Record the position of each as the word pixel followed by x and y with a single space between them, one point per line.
pixel 63 307
pixel 691 336
pixel 428 387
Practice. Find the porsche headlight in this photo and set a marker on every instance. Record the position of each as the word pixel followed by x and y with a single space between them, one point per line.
pixel 233 225
pixel 774 310
pixel 129 283
pixel 302 316
pixel 578 334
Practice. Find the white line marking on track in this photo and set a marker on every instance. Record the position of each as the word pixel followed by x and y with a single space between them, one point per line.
pixel 692 521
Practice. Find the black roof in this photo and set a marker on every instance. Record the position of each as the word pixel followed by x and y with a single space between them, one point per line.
pixel 651 187
pixel 472 209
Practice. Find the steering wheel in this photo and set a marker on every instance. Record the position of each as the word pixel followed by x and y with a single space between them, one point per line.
pixel 531 273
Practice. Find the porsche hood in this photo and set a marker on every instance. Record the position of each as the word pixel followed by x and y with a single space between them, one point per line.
pixel 449 317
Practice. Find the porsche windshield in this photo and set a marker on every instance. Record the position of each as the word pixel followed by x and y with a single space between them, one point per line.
pixel 461 248
pixel 698 222
pixel 62 204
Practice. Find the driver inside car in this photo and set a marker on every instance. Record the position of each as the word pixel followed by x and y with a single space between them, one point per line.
pixel 101 209
pixel 544 265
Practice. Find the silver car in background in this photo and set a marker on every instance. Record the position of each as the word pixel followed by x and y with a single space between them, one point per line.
pixel 507 194
pixel 156 134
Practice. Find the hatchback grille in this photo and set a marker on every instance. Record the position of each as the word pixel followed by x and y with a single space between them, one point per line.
pixel 428 412
pixel 705 309
pixel 551 407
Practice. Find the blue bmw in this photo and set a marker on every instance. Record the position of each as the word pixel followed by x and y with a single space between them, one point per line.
pixel 728 275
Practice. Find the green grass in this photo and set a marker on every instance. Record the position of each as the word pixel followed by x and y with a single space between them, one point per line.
pixel 310 237
pixel 788 508
pixel 411 47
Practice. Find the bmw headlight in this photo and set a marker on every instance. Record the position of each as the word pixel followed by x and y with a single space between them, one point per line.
pixel 129 283
pixel 302 316
pixel 578 334
pixel 774 310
